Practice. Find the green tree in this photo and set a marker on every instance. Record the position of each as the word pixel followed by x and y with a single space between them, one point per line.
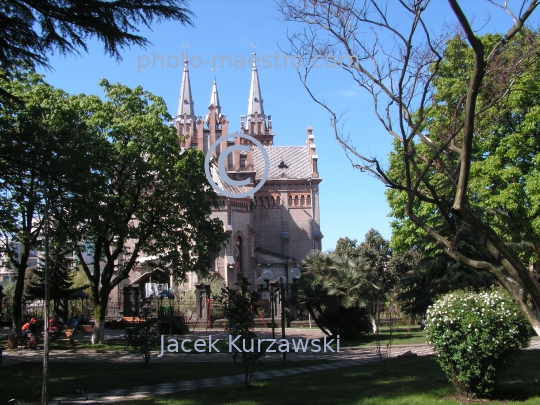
pixel 502 186
pixel 435 274
pixel 29 29
pixel 436 103
pixel 60 275
pixel 44 155
pixel 347 247
pixel 386 267
pixel 338 292
pixel 155 201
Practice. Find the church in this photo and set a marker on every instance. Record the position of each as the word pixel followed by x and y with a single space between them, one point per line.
pixel 273 228
pixel 278 225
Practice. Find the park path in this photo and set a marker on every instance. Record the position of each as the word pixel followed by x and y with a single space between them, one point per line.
pixel 347 357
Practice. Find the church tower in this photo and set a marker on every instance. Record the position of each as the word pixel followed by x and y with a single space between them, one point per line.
pixel 216 123
pixel 185 120
pixel 256 123
pixel 278 225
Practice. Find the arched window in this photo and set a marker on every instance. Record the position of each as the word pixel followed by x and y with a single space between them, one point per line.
pixel 295 200
pixel 302 201
pixel 290 201
pixel 260 201
pixel 272 201
pixel 266 202
pixel 308 200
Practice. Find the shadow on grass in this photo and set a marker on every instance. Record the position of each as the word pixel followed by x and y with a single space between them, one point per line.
pixel 408 381
pixel 22 381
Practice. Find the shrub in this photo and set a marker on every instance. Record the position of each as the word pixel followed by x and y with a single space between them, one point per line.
pixel 240 307
pixel 476 336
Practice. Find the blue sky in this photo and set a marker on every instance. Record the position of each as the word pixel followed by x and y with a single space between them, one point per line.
pixel 351 202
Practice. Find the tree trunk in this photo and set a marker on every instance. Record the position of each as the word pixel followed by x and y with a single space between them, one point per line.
pixel 100 312
pixel 517 297
pixel 17 301
pixel 98 334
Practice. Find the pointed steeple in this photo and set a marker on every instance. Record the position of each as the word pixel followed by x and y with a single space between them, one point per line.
pixel 185 103
pixel 214 98
pixel 255 102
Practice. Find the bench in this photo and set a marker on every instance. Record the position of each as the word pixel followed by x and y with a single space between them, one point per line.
pixel 68 338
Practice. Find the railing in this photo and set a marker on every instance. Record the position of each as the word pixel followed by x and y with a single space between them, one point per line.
pixel 114 312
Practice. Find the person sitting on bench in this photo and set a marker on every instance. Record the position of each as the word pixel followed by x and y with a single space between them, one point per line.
pixel 30 332
pixel 53 329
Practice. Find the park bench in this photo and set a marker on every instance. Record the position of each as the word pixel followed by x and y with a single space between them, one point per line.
pixel 69 331
pixel 69 337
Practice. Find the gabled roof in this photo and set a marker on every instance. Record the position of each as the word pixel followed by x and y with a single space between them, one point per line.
pixel 296 162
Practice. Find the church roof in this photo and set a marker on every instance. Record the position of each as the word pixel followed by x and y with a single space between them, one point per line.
pixel 292 162
pixel 229 188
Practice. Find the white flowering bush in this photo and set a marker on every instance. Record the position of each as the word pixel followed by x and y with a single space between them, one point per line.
pixel 476 336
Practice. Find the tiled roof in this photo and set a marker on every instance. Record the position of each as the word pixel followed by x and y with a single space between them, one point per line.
pixel 296 159
pixel 229 188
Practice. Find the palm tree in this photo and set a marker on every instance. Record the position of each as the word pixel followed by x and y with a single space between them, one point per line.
pixel 338 292
pixel 352 283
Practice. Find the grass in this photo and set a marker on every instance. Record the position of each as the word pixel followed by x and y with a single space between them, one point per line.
pixel 22 381
pixel 404 381
pixel 401 335
pixel 407 381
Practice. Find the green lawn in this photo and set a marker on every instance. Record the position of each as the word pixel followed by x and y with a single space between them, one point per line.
pixel 395 382
pixel 400 335
pixel 23 381
pixel 406 381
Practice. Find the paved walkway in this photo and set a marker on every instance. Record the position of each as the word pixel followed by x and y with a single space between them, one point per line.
pixel 345 358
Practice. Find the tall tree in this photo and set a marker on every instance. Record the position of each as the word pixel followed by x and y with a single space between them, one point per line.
pixel 338 292
pixel 31 28
pixel 399 68
pixel 155 200
pixel 45 155
pixel 376 252
pixel 60 275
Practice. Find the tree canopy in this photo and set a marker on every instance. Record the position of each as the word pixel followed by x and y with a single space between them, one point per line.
pixel 339 292
pixel 45 155
pixel 504 174
pixel 155 201
pixel 29 29
pixel 436 115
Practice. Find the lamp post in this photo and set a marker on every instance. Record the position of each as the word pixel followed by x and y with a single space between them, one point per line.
pixel 2 295
pixel 266 277
pixel 277 287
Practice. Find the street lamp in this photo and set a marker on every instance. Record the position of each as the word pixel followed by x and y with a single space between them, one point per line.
pixel 277 287
pixel 2 295
pixel 265 278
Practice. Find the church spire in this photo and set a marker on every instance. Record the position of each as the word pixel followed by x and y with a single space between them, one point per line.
pixel 185 103
pixel 255 102
pixel 214 98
